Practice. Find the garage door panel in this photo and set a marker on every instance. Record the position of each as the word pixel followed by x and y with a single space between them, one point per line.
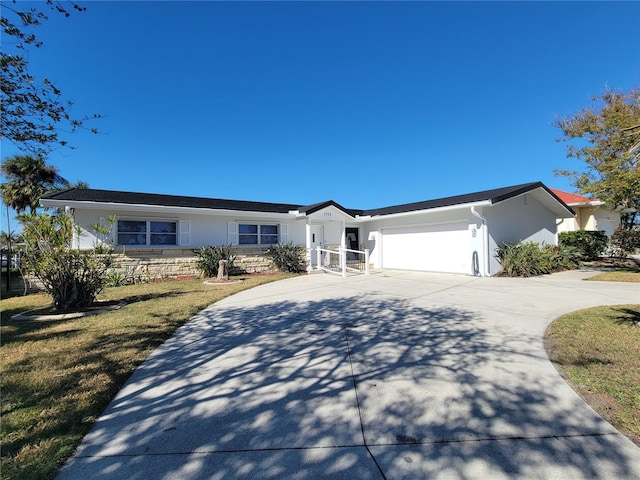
pixel 434 248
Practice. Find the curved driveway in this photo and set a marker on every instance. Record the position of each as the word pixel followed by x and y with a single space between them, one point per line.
pixel 399 375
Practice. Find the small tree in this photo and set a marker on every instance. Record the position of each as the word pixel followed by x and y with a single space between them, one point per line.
pixel 33 114
pixel 606 137
pixel 71 276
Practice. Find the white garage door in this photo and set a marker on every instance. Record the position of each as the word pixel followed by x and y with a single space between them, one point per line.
pixel 431 248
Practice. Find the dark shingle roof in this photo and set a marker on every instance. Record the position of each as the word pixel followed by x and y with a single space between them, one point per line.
pixel 133 198
pixel 494 196
pixel 111 196
pixel 309 209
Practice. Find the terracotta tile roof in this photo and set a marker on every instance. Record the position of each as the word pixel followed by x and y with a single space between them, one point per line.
pixel 572 198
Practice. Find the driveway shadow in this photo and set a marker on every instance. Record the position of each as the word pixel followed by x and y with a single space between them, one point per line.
pixel 338 388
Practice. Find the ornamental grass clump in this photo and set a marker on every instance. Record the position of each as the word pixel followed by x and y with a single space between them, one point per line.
pixel 288 257
pixel 529 259
pixel 208 259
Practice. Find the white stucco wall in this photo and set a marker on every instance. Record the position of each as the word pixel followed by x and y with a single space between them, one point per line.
pixel 203 229
pixel 520 219
pixel 332 234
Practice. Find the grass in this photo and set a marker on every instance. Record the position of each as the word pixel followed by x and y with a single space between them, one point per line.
pixel 597 351
pixel 57 376
pixel 616 276
pixel 617 270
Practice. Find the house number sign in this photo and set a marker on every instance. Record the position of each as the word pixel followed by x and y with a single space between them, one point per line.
pixel 327 214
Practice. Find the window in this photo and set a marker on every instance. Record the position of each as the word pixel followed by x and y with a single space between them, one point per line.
pixel 253 234
pixel 162 233
pixel 147 232
pixel 268 234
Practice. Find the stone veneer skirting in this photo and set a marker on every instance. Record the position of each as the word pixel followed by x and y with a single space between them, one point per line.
pixel 157 263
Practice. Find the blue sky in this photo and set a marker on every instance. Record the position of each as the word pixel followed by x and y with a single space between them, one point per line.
pixel 366 103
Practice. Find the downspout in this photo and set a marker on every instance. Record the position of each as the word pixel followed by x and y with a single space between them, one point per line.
pixel 558 223
pixel 485 241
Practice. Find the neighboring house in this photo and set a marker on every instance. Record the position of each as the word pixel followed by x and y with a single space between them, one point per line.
pixel 590 214
pixel 457 234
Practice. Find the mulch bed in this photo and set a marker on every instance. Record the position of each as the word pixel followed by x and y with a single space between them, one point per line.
pixel 612 263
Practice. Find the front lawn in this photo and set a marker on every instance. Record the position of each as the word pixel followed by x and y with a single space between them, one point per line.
pixel 57 376
pixel 616 276
pixel 616 270
pixel 597 351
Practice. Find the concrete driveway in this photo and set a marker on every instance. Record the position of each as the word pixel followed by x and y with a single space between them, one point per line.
pixel 398 375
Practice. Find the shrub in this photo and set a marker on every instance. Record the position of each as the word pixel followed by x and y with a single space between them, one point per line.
pixel 116 278
pixel 625 241
pixel 589 244
pixel 208 259
pixel 562 257
pixel 521 259
pixel 288 257
pixel 530 259
pixel 72 277
pixel 119 277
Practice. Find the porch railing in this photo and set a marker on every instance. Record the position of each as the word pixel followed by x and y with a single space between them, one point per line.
pixel 342 260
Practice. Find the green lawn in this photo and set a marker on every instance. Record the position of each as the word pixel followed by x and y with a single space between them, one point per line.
pixel 57 376
pixel 616 276
pixel 618 270
pixel 597 351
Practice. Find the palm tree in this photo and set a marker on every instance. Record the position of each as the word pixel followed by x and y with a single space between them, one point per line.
pixel 8 239
pixel 28 179
pixel 80 184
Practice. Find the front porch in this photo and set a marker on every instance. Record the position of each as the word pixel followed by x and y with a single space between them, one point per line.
pixel 333 240
pixel 342 260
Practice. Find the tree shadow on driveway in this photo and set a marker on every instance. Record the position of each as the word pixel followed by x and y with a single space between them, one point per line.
pixel 358 387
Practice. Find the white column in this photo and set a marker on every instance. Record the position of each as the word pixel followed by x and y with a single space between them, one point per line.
pixel 343 246
pixel 366 261
pixel 379 247
pixel 308 243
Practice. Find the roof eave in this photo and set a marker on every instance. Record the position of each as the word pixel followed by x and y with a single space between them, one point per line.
pixel 144 208
pixel 547 198
pixel 594 203
pixel 458 206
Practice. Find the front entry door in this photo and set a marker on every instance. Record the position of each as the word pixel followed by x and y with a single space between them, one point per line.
pixel 317 240
pixel 353 242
